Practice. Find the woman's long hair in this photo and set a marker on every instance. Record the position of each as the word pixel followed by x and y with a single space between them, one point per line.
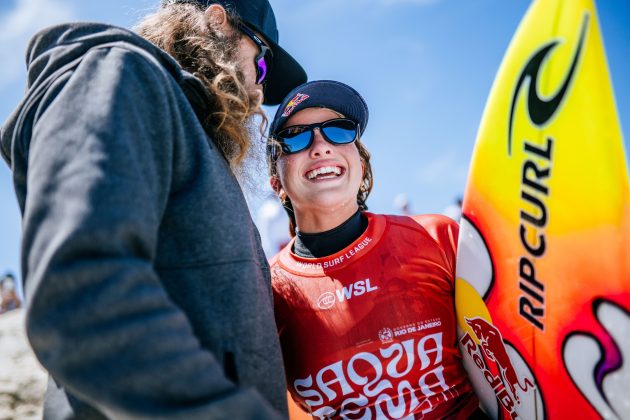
pixel 183 31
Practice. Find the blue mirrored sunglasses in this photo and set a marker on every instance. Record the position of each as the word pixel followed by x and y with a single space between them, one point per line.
pixel 296 138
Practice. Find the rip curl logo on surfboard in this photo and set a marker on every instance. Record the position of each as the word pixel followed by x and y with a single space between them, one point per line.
pixel 297 99
pixel 542 110
pixel 524 239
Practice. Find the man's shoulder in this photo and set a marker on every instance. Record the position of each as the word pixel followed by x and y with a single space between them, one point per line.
pixel 80 36
pixel 65 45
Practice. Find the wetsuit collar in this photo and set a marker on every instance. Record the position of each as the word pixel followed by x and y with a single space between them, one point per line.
pixel 321 244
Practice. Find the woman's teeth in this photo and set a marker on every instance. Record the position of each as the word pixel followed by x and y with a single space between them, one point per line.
pixel 324 173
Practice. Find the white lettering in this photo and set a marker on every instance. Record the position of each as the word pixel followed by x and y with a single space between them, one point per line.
pixel 351 253
pixel 369 286
pixel 397 411
pixel 339 378
pixel 324 413
pixel 371 385
pixel 359 402
pixel 423 351
pixel 363 380
pixel 398 348
pixel 427 389
pixel 345 292
pixel 359 288
pixel 306 393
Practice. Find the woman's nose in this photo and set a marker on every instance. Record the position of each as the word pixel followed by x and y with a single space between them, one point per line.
pixel 320 146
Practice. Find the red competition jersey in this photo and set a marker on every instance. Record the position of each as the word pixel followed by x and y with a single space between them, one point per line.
pixel 370 332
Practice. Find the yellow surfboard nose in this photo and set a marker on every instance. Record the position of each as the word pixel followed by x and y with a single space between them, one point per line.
pixel 548 197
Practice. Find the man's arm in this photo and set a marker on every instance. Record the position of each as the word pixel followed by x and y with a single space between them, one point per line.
pixel 98 182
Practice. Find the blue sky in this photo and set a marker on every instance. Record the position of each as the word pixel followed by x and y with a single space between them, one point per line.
pixel 425 68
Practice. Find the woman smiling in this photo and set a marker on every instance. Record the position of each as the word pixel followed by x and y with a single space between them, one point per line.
pixel 363 302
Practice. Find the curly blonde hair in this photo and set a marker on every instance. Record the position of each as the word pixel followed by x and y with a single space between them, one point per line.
pixel 183 31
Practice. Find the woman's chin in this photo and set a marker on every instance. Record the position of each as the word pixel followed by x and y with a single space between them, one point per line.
pixel 327 203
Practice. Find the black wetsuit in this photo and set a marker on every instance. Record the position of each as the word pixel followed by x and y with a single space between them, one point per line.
pixel 317 245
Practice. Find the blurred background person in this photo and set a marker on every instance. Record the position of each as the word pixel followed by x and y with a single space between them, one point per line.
pixel 9 299
pixel 272 222
pixel 454 210
pixel 402 204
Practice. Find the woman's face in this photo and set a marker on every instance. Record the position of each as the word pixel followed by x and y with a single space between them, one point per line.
pixel 324 177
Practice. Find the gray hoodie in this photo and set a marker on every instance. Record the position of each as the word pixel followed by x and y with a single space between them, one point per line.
pixel 147 290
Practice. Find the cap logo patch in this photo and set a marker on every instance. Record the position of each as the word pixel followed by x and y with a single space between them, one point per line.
pixel 297 99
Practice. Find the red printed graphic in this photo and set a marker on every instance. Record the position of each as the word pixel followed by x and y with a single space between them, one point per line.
pixel 370 332
pixel 404 378
pixel 297 99
pixel 495 364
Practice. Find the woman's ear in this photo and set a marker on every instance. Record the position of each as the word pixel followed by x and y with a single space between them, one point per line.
pixel 275 184
pixel 274 181
pixel 217 18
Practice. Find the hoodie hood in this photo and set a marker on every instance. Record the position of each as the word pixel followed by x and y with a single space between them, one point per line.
pixel 57 49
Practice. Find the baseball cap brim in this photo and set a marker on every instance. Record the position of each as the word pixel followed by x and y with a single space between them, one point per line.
pixel 286 74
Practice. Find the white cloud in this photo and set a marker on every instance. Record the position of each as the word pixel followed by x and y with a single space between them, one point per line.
pixel 18 25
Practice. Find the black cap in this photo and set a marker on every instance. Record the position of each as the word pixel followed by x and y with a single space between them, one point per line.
pixel 286 72
pixel 322 94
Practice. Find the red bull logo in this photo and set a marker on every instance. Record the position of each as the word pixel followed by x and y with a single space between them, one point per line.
pixel 492 358
pixel 297 99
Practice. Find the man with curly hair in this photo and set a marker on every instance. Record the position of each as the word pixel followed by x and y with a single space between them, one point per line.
pixel 147 291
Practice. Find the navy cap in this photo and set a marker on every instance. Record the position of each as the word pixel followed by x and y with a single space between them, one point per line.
pixel 286 72
pixel 322 94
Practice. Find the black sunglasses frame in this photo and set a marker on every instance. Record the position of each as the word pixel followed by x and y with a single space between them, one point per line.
pixel 265 53
pixel 272 147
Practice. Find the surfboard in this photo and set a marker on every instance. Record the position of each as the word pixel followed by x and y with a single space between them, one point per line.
pixel 543 268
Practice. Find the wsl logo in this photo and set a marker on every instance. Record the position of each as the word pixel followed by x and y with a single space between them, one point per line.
pixel 328 299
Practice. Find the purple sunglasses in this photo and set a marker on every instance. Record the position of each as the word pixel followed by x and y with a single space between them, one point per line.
pixel 264 59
